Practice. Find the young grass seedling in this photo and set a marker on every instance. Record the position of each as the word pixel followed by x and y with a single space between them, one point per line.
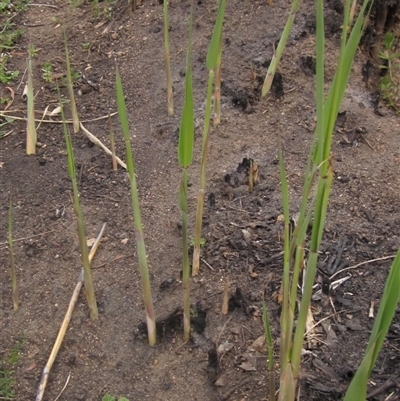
pixel 112 144
pixel 70 86
pixel 270 348
pixel 141 249
pixel 12 262
pixel 212 60
pixel 87 277
pixel 185 156
pixel 31 127
pixel 170 93
pixel 279 50
pixel 217 91
pixel 319 169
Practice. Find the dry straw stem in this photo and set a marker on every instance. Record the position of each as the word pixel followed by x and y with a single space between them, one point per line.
pixel 30 128
pixel 63 329
pixel 225 301
pixel 5 113
pixel 97 142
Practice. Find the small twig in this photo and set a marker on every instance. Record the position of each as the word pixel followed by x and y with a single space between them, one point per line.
pixel 23 239
pixel 361 264
pixel 65 386
pixel 4 113
pixel 97 142
pixel 43 5
pixel 234 388
pixel 207 264
pixel 63 329
pixel 322 320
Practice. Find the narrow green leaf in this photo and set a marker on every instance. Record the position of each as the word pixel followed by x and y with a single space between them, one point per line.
pixel 186 131
pixel 215 43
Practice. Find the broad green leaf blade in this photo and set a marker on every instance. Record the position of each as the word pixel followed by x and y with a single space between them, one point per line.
pixel 186 131
pixel 215 43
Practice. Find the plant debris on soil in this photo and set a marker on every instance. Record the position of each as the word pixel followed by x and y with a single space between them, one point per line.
pixel 225 358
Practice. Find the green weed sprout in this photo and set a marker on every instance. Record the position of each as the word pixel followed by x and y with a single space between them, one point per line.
pixel 170 93
pixel 213 55
pixel 70 86
pixel 141 249
pixel 30 128
pixel 279 50
pixel 316 191
pixel 185 157
pixel 87 276
pixel 12 262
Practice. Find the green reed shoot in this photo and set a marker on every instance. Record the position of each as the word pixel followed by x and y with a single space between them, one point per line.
pixel 70 86
pixel 30 128
pixel 213 55
pixel 87 276
pixel 185 157
pixel 214 58
pixel 279 50
pixel 112 144
pixel 170 93
pixel 388 305
pixel 316 190
pixel 12 262
pixel 270 349
pixel 217 91
pixel 141 249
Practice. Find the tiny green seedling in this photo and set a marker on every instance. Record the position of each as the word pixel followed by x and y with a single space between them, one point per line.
pixel 202 242
pixel 6 76
pixel 47 72
pixel 86 45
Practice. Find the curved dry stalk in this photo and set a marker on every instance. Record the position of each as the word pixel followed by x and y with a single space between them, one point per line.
pixel 63 329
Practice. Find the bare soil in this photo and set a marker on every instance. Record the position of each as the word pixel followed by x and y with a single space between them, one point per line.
pixel 242 230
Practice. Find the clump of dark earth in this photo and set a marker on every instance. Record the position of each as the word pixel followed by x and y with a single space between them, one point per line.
pixel 308 65
pixel 172 324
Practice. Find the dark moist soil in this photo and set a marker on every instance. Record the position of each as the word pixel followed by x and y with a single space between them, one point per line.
pixel 242 230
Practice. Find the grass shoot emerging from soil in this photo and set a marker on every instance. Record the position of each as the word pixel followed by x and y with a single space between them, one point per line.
pixel 87 276
pixel 70 86
pixel 185 157
pixel 317 186
pixel 213 58
pixel 170 93
pixel 279 50
pixel 141 249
